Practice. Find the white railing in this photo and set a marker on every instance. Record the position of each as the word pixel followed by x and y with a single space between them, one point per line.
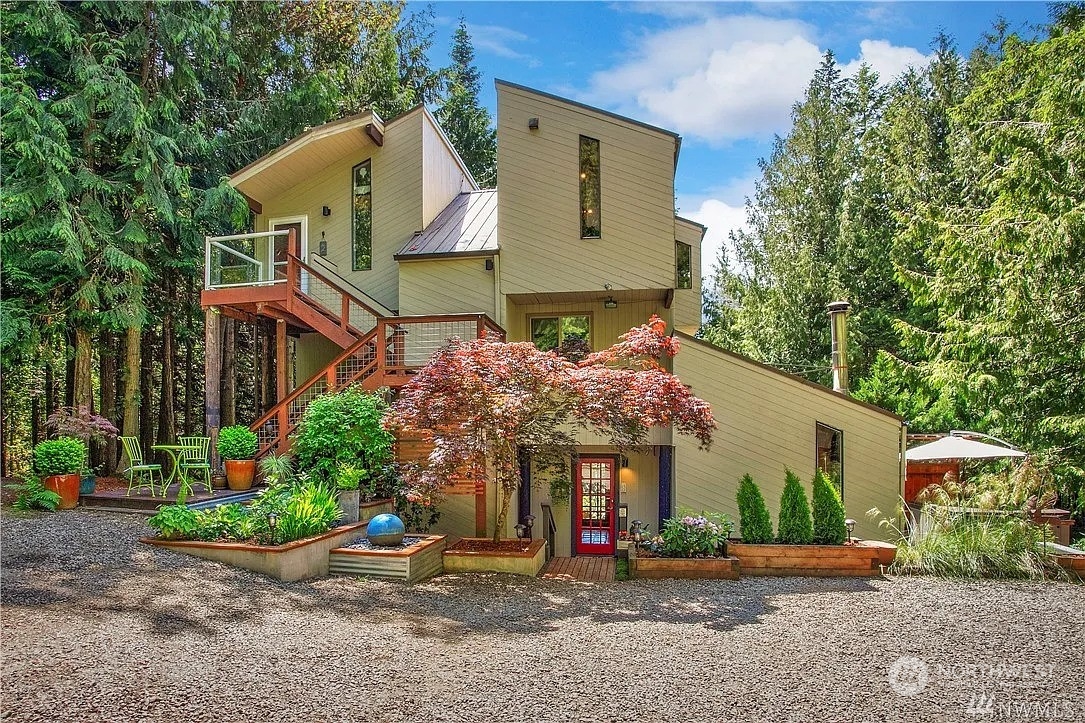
pixel 243 260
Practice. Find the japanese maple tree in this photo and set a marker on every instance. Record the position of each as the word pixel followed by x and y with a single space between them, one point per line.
pixel 482 400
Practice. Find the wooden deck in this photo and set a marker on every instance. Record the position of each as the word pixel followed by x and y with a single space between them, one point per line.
pixel 580 569
pixel 117 500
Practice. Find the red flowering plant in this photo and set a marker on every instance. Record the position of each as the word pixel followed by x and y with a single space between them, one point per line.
pixel 482 400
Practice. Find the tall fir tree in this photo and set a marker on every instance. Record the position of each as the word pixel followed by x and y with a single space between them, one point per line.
pixel 467 123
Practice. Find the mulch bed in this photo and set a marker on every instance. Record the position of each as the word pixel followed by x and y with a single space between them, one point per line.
pixel 468 545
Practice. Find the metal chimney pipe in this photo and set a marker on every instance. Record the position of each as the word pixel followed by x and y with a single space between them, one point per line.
pixel 838 328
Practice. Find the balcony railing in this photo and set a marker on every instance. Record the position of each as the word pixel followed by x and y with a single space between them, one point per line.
pixel 246 259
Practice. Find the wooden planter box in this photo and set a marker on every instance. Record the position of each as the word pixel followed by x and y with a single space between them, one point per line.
pixel 298 560
pixel 526 562
pixel 862 559
pixel 1074 564
pixel 655 568
pixel 417 562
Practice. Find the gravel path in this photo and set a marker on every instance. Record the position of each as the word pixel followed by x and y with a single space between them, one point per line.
pixel 99 628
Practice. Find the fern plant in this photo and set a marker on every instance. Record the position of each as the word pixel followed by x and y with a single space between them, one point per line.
pixel 753 514
pixel 32 495
pixel 795 527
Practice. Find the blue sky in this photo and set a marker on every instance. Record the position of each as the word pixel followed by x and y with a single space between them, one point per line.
pixel 723 75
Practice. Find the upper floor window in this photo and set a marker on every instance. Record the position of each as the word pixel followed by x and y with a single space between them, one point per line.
pixel 830 455
pixel 590 221
pixel 569 336
pixel 683 265
pixel 362 224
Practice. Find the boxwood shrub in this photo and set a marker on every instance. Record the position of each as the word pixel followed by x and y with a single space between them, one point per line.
pixel 237 443
pixel 60 456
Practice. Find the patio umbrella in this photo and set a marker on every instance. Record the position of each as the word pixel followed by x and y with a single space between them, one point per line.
pixel 959 448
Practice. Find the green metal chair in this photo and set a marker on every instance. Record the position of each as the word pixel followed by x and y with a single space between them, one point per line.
pixel 194 457
pixel 138 469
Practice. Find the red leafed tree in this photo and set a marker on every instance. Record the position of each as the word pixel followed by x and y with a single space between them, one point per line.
pixel 480 401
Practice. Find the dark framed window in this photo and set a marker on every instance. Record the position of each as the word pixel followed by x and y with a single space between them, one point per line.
pixel 590 194
pixel 568 335
pixel 830 455
pixel 361 231
pixel 683 265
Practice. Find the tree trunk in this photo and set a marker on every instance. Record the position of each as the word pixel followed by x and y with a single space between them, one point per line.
pixel 133 339
pixel 107 360
pixel 212 377
pixel 229 372
pixel 167 419
pixel 146 393
pixel 190 372
pixel 82 381
pixel 50 389
pixel 69 371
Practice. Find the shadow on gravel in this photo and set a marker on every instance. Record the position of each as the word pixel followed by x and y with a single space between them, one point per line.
pixel 91 565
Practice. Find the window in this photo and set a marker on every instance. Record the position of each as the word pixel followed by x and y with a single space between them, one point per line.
pixel 830 455
pixel 683 265
pixel 362 227
pixel 590 222
pixel 563 333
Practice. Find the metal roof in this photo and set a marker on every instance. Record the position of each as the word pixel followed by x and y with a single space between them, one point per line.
pixel 467 226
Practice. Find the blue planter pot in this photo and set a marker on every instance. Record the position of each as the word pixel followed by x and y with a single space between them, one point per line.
pixel 86 484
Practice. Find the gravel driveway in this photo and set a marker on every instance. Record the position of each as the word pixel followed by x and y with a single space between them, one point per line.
pixel 97 627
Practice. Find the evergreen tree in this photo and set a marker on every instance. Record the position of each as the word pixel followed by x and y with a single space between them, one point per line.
pixel 828 512
pixel 795 526
pixel 756 525
pixel 467 123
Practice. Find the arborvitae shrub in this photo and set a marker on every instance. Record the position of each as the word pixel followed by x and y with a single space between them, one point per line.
pixel 753 514
pixel 829 528
pixel 796 527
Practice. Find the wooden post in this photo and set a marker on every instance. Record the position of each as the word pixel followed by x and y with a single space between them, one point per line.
pixel 480 508
pixel 212 379
pixel 280 379
pixel 666 477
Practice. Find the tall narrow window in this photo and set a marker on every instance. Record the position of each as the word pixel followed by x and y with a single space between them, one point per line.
pixel 683 265
pixel 590 222
pixel 362 226
pixel 830 455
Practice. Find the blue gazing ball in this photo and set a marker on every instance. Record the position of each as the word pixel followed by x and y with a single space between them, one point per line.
pixel 385 530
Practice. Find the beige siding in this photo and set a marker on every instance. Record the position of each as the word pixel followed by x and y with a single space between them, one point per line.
pixel 444 176
pixel 539 207
pixel 397 207
pixel 606 324
pixel 767 422
pixel 446 286
pixel 312 353
pixel 686 309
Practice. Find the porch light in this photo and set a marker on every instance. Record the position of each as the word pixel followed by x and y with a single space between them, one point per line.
pixel 610 303
pixel 850 524
pixel 533 124
pixel 325 211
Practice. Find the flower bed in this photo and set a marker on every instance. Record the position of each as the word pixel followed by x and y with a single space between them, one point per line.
pixel 697 568
pixel 476 554
pixel 690 546
pixel 419 560
pixel 856 559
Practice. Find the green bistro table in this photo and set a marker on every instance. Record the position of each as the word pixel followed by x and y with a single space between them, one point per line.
pixel 174 451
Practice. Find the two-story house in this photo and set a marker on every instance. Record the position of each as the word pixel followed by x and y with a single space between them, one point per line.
pixel 373 245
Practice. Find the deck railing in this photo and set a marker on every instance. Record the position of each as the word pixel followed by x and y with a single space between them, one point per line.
pixel 244 260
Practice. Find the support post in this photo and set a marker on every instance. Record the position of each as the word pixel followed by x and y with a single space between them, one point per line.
pixel 524 496
pixel 212 378
pixel 280 380
pixel 480 507
pixel 666 483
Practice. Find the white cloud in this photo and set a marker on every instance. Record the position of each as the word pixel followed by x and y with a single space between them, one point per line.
pixel 721 218
pixel 726 78
pixel 887 59
pixel 498 40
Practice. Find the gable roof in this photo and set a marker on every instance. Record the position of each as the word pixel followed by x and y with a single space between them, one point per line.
pixel 466 227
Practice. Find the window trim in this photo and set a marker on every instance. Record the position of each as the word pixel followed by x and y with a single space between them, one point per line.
pixel 677 277
pixel 353 261
pixel 817 462
pixel 581 184
pixel 559 315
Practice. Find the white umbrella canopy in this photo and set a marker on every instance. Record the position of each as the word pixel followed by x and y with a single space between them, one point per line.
pixel 953 447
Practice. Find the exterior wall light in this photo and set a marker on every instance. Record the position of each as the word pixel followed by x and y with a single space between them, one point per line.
pixel 610 303
pixel 533 124
pixel 325 211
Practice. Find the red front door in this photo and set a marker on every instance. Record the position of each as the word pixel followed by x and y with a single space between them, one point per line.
pixel 593 511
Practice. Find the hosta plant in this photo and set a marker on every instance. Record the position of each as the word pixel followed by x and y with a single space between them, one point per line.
pixel 175 522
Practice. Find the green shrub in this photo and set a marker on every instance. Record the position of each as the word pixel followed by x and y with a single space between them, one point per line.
pixel 175 522
pixel 350 477
pixel 237 443
pixel 32 495
pixel 232 522
pixel 973 545
pixel 753 515
pixel 795 526
pixel 828 513
pixel 60 456
pixel 703 535
pixel 310 510
pixel 343 428
pixel 277 468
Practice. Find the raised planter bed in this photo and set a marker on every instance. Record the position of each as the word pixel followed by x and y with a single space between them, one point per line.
pixel 1074 564
pixel 419 561
pixel 298 560
pixel 859 559
pixel 708 568
pixel 471 555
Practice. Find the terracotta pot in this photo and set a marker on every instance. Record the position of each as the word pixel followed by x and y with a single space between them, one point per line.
pixel 239 473
pixel 218 481
pixel 65 485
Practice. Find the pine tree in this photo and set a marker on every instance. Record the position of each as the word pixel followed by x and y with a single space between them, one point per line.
pixel 828 513
pixel 467 123
pixel 795 526
pixel 756 525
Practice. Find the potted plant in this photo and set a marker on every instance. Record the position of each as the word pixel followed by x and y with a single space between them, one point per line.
pixel 348 484
pixel 59 462
pixel 79 423
pixel 237 447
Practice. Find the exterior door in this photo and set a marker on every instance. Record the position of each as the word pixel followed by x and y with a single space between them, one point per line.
pixel 594 519
pixel 279 259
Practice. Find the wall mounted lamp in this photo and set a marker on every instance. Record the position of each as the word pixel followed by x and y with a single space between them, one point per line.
pixel 610 303
pixel 325 211
pixel 533 124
